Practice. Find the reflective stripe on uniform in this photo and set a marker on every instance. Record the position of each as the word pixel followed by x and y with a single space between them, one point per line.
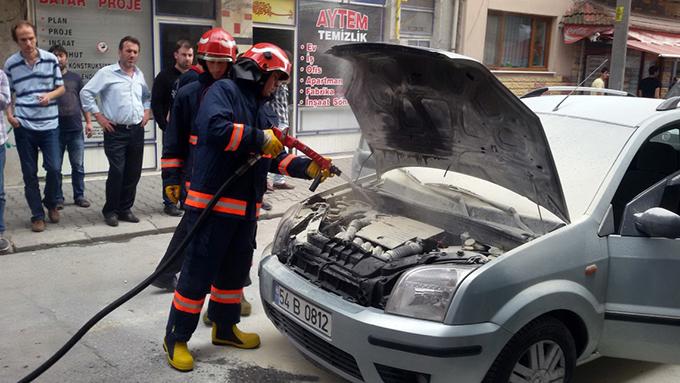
pixel 235 140
pixel 191 306
pixel 193 140
pixel 171 163
pixel 283 165
pixel 225 296
pixel 224 205
pixel 258 206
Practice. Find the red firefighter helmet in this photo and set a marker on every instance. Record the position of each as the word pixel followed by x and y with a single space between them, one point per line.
pixel 269 58
pixel 217 45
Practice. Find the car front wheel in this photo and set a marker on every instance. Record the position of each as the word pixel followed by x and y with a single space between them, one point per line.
pixel 542 352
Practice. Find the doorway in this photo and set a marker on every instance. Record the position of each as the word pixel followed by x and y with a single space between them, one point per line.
pixel 169 34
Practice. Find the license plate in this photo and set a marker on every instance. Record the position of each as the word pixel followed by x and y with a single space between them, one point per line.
pixel 308 313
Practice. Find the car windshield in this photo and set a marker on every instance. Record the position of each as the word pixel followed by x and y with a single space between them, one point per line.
pixel 583 150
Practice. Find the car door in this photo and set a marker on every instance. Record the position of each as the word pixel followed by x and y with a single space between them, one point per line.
pixel 642 316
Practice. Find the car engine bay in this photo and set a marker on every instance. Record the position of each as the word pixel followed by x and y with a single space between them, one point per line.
pixel 357 243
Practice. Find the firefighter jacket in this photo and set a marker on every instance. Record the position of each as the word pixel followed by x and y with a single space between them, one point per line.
pixel 180 135
pixel 229 123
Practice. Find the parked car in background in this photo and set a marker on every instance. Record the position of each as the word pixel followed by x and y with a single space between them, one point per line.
pixel 500 240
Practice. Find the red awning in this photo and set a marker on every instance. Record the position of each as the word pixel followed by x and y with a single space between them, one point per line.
pixel 662 44
pixel 659 43
pixel 574 33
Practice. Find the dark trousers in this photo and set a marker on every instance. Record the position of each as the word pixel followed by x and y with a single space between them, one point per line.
pixel 181 231
pixel 28 142
pixel 220 254
pixel 124 148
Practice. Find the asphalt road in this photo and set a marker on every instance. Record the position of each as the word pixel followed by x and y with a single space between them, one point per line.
pixel 47 295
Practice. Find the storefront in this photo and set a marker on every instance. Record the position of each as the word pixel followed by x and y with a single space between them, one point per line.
pixel 307 29
pixel 91 30
pixel 652 40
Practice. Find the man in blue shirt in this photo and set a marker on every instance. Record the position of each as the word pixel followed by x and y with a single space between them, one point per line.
pixel 123 113
pixel 71 129
pixel 35 80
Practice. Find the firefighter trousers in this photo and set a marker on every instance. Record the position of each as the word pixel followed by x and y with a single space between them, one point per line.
pixel 218 260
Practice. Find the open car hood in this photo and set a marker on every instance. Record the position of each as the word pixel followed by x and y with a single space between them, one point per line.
pixel 425 107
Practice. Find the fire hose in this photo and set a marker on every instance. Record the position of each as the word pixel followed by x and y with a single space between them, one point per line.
pixel 288 141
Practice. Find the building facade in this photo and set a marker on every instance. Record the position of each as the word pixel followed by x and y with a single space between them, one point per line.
pixel 526 43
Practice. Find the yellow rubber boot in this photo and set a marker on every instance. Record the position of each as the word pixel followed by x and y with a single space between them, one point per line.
pixel 246 307
pixel 234 337
pixel 178 356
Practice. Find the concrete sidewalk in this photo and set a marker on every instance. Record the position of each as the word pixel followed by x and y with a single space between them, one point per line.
pixel 86 225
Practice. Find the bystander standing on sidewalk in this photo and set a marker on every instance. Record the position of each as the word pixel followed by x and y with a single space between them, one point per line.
pixel 71 130
pixel 35 79
pixel 125 110
pixel 162 96
pixel 650 86
pixel 5 100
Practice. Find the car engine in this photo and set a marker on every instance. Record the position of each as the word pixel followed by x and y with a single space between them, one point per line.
pixel 359 247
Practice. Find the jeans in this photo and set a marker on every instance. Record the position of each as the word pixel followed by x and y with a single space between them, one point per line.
pixel 2 188
pixel 124 148
pixel 74 142
pixel 28 142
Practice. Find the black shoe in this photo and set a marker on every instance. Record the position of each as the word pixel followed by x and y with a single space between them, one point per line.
pixel 128 217
pixel 266 205
pixel 166 282
pixel 60 205
pixel 83 202
pixel 172 211
pixel 111 220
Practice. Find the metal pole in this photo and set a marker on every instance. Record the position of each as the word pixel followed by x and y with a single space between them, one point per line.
pixel 618 61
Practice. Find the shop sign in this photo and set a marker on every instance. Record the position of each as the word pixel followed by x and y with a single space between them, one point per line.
pixel 323 25
pixel 274 11
pixel 90 32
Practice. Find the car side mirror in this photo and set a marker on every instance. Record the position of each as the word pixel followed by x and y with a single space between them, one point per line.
pixel 658 222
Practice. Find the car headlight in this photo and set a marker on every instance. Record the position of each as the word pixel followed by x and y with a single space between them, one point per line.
pixel 282 236
pixel 426 292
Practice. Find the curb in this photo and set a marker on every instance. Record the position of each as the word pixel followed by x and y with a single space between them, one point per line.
pixel 110 238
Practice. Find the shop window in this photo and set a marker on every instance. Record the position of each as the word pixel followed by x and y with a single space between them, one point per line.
pixel 416 22
pixel 515 41
pixel 418 43
pixel 204 9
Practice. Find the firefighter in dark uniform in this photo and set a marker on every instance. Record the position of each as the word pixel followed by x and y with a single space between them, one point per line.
pixel 216 52
pixel 231 125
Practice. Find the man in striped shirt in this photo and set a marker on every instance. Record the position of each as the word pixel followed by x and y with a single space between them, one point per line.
pixel 35 79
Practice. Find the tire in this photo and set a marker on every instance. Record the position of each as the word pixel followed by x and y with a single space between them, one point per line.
pixel 542 352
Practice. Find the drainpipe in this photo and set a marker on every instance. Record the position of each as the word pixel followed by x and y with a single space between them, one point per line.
pixel 454 27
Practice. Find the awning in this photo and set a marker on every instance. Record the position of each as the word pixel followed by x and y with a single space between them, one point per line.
pixel 659 43
pixel 662 44
pixel 574 33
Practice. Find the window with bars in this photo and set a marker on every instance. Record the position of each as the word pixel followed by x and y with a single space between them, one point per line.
pixel 517 41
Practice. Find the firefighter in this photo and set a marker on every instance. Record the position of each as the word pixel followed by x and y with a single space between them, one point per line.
pixel 216 52
pixel 233 122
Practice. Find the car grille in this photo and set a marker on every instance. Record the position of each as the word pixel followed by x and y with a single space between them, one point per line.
pixel 319 347
pixel 333 267
pixel 397 375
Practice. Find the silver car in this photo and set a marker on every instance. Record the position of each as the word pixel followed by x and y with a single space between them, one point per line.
pixel 500 240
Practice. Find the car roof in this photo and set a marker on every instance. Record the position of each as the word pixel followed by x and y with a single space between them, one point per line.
pixel 625 111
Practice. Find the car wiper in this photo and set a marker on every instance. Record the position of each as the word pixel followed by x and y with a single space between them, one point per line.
pixel 509 210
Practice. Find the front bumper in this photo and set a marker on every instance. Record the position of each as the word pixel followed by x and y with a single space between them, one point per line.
pixel 369 345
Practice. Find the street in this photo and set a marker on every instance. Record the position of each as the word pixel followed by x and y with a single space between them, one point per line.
pixel 49 294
